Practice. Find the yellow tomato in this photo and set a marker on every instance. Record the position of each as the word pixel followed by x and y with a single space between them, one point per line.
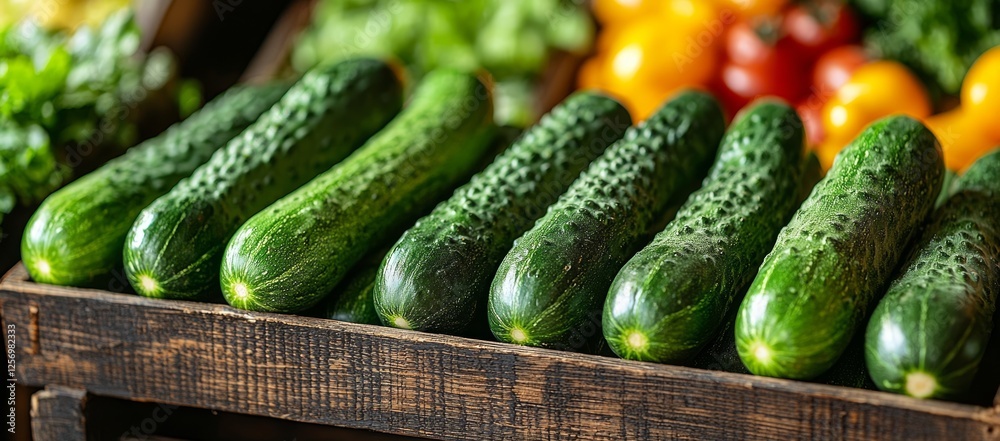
pixel 643 105
pixel 642 57
pixel 874 91
pixel 590 74
pixel 981 93
pixel 696 12
pixel 827 151
pixel 962 139
pixel 617 11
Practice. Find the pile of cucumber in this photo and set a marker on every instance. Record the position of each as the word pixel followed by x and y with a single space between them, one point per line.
pixel 674 241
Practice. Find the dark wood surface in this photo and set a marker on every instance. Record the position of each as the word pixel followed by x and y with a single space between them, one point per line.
pixel 409 383
pixel 57 414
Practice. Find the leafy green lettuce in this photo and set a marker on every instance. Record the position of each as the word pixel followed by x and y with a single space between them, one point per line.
pixel 66 92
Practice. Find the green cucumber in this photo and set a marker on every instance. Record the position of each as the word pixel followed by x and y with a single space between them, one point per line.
pixel 353 300
pixel 550 288
pixel 438 274
pixel 721 355
pixel 668 300
pixel 838 252
pixel 287 257
pixel 174 247
pixel 812 173
pixel 947 187
pixel 76 236
pixel 928 335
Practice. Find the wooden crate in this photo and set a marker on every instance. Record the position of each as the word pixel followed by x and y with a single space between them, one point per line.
pixel 441 387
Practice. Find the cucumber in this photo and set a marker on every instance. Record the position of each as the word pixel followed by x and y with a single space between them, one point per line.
pixel 839 250
pixel 550 287
pixel 812 173
pixel 352 299
pixel 76 236
pixel 174 247
pixel 928 335
pixel 669 299
pixel 287 257
pixel 721 355
pixel 947 188
pixel 437 276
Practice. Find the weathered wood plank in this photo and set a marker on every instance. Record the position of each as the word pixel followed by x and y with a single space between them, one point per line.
pixel 418 384
pixel 57 414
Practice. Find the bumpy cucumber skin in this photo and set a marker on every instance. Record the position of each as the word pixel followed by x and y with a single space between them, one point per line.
pixel 175 245
pixel 437 276
pixel 286 258
pixel 76 236
pixel 937 317
pixel 838 252
pixel 550 288
pixel 668 300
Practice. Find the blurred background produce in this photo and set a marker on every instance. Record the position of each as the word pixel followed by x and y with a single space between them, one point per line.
pixel 514 40
pixel 842 64
pixel 66 94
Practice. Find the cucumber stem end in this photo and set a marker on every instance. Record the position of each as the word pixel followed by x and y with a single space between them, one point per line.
pixel 43 268
pixel 761 352
pixel 401 322
pixel 518 335
pixel 148 285
pixel 637 341
pixel 920 385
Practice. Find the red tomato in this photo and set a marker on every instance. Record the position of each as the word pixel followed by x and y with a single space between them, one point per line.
pixel 818 26
pixel 745 45
pixel 741 84
pixel 812 120
pixel 835 67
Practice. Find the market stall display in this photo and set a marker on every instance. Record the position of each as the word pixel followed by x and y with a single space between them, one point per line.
pixel 740 190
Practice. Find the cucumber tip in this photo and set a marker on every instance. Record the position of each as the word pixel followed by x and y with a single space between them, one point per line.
pixel 920 384
pixel 761 353
pixel 148 284
pixel 400 322
pixel 518 335
pixel 637 341
pixel 240 290
pixel 42 268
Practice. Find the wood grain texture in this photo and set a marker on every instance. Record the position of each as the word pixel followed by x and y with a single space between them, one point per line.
pixel 441 387
pixel 57 414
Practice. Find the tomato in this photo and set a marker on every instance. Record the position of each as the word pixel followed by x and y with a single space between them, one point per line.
pixel 828 151
pixel 875 90
pixel 962 139
pixel 741 84
pixel 748 44
pixel 752 8
pixel 698 12
pixel 589 76
pixel 835 67
pixel 642 57
pixel 981 93
pixel 617 11
pixel 819 26
pixel 642 105
pixel 812 121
